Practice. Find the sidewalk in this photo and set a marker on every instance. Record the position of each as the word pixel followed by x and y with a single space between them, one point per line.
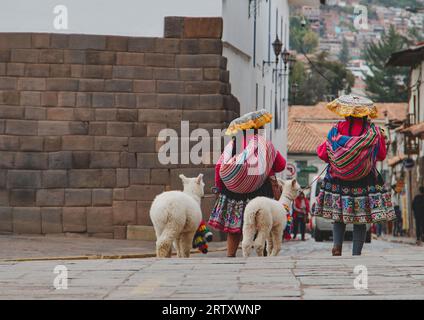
pixel 402 240
pixel 22 248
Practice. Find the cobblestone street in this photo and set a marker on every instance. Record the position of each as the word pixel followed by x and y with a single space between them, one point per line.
pixel 304 270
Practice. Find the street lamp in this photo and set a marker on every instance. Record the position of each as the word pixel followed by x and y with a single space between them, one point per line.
pixel 277 45
pixel 285 55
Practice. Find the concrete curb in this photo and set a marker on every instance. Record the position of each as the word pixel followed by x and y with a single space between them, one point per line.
pixel 401 241
pixel 100 257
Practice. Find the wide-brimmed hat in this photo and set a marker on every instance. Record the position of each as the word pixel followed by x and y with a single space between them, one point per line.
pixel 251 120
pixel 353 106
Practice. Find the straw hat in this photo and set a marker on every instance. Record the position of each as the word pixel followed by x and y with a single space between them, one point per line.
pixel 251 120
pixel 353 106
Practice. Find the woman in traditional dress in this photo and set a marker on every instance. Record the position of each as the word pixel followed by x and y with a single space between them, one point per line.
pixel 244 176
pixel 353 190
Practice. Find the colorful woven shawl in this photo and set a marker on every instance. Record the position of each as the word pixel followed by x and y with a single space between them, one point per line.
pixel 352 157
pixel 247 171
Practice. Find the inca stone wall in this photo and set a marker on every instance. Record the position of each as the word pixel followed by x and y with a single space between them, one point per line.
pixel 79 118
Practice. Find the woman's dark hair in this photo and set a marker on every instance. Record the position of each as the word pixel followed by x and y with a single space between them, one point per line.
pixel 364 124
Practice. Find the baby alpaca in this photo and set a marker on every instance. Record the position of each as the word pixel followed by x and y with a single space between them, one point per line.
pixel 267 217
pixel 176 215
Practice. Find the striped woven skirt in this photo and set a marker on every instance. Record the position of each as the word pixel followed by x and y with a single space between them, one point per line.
pixel 358 202
pixel 227 213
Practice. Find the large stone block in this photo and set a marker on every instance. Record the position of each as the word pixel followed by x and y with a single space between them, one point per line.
pixel 111 143
pixel 80 41
pixel 202 27
pixel 130 58
pixel 132 72
pixel 81 159
pixel 77 197
pixel 54 179
pixel 117 43
pixel 104 160
pixel 15 69
pixel 15 40
pixel 143 192
pixel 62 84
pixel 159 60
pixel 40 40
pixel 125 100
pixel 52 144
pixel 118 85
pixel 8 83
pixel 31 143
pixel 11 98
pixel 174 27
pixel 139 176
pixel 124 212
pixel 31 160
pixel 60 160
pixel 99 219
pixel 102 197
pixel 22 198
pixel 100 57
pixel 160 176
pixel 37 70
pixel 142 144
pixel 77 142
pixel 141 44
pixel 51 220
pixel 122 177
pixel 31 84
pixel 120 129
pixel 4 196
pixel 23 179
pixel 51 56
pixel 103 100
pixel 11 112
pixel 91 85
pixel 120 232
pixel 74 220
pixel 145 233
pixel 60 114
pixel 200 61
pixel 60 70
pixel 30 98
pixel 50 197
pixel 26 220
pixel 9 143
pixel 6 220
pixel 25 55
pixel 21 127
pixel 85 178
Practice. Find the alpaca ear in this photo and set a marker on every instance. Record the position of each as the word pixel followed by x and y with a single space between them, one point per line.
pixel 199 178
pixel 183 178
pixel 294 182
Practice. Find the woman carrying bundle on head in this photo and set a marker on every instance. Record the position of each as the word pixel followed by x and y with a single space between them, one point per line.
pixel 242 176
pixel 353 190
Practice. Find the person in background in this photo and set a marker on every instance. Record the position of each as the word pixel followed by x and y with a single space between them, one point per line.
pixel 397 228
pixel 353 190
pixel 418 208
pixel 300 215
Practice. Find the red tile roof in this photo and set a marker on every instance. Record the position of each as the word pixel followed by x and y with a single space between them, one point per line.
pixel 309 125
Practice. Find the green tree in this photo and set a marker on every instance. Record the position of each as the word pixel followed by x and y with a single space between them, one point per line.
pixel 344 55
pixel 321 78
pixel 386 84
pixel 302 38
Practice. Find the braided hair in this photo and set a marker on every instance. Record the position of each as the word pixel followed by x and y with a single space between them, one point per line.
pixel 364 124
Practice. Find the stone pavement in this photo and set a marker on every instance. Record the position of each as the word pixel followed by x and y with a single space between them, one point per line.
pixel 21 247
pixel 305 270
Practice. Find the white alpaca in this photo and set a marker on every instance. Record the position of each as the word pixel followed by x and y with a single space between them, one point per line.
pixel 268 218
pixel 176 215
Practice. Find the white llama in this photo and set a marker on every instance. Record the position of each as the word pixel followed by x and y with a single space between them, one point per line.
pixel 176 215
pixel 268 218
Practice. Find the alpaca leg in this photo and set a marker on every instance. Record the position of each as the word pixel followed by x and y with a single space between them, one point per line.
pixel 164 243
pixel 247 243
pixel 269 244
pixel 277 235
pixel 186 242
pixel 178 246
pixel 260 241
